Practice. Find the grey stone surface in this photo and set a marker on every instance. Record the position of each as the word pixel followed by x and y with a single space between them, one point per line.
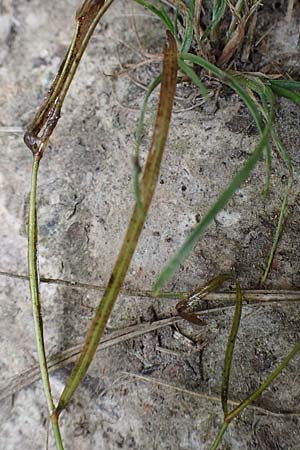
pixel 84 202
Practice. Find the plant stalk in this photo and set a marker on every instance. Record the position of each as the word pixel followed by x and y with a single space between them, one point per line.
pixel 219 436
pixel 36 138
pixel 33 273
pixel 34 286
pixel 56 430
pixel 235 412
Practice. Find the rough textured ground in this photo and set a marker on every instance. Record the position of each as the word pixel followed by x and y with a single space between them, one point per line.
pixel 85 196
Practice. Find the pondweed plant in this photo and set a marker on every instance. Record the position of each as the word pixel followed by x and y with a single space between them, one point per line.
pixel 196 47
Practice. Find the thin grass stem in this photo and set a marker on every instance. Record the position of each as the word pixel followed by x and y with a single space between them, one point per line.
pixel 288 163
pixel 56 430
pixel 33 273
pixel 36 138
pixel 34 285
pixel 219 436
pixel 279 229
pixel 230 348
pixel 234 413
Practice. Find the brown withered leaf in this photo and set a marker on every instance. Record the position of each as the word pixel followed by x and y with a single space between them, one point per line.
pixel 232 45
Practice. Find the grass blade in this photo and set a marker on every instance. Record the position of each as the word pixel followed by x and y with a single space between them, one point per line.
pixel 264 385
pixel 220 203
pixel 288 163
pixel 237 180
pixel 254 107
pixel 185 68
pixel 266 106
pixel 281 91
pixel 287 84
pixel 148 184
pixel 218 11
pixel 189 27
pixel 160 13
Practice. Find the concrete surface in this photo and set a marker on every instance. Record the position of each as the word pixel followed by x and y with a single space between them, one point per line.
pixel 85 196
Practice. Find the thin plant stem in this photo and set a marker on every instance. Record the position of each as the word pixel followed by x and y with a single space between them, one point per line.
pixel 36 138
pixel 35 297
pixel 219 436
pixel 228 417
pixel 56 430
pixel 278 230
pixel 230 348
pixel 251 295
pixel 288 163
pixel 234 413
pixel 34 286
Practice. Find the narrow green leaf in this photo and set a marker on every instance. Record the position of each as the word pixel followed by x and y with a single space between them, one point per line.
pixel 237 180
pixel 288 163
pixel 287 93
pixel 220 203
pixel 187 70
pixel 282 151
pixel 176 16
pixel 166 19
pixel 189 27
pixel 247 84
pixel 266 106
pixel 220 74
pixel 219 8
pixel 160 13
pixel 264 385
pixel 287 84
